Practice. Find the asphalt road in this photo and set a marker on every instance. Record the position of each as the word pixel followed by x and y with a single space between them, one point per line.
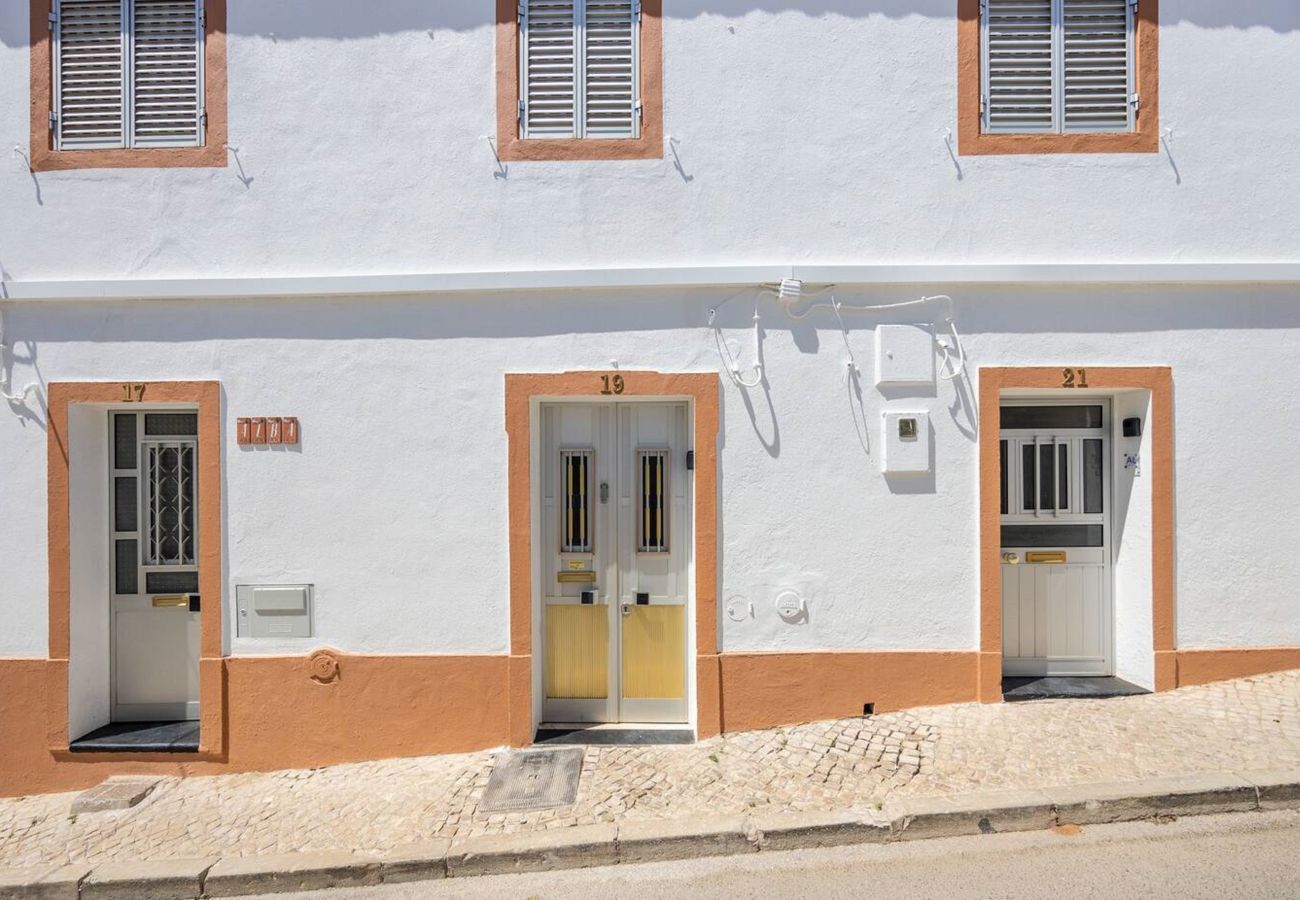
pixel 1245 855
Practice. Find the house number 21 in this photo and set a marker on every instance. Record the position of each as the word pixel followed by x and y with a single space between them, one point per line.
pixel 1074 378
pixel 611 384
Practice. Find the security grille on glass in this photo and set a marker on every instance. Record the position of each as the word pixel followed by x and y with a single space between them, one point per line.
pixel 1058 66
pixel 653 471
pixel 127 73
pixel 575 474
pixel 579 68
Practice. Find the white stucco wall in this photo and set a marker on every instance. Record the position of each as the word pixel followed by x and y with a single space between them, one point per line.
pixel 806 131
pixel 394 506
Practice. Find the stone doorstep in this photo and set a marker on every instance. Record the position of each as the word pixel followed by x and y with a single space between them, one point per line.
pixel 632 842
pixel 239 876
pixel 161 879
pixel 116 793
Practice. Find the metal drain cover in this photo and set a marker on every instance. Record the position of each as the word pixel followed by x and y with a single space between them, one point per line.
pixel 536 779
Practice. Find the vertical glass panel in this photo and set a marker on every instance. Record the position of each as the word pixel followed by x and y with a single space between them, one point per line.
pixel 653 526
pixel 126 504
pixel 1002 456
pixel 576 527
pixel 124 445
pixel 126 575
pixel 1047 472
pixel 1028 482
pixel 1092 476
pixel 169 477
pixel 1063 475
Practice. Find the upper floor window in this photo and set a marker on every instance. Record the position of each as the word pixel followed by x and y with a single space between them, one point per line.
pixel 128 83
pixel 128 73
pixel 1057 75
pixel 579 79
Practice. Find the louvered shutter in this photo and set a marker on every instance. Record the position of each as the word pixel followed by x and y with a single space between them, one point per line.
pixel 1017 70
pixel 1098 65
pixel 549 68
pixel 610 64
pixel 1052 66
pixel 579 68
pixel 89 53
pixel 167 73
pixel 128 73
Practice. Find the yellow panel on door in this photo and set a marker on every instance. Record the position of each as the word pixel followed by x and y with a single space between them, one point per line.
pixel 654 652
pixel 577 652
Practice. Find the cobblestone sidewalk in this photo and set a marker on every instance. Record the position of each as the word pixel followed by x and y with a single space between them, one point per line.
pixel 841 765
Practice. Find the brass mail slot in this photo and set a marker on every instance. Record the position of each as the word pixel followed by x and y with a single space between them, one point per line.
pixel 172 600
pixel 1045 556
pixel 576 578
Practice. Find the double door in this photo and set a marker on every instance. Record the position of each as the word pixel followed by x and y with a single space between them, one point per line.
pixel 1056 536
pixel 615 520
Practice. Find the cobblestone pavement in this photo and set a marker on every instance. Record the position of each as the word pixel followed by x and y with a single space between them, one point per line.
pixel 846 764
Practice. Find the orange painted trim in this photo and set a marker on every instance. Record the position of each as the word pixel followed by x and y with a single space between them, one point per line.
pixel 206 396
pixel 512 148
pixel 768 690
pixel 278 717
pixel 44 156
pixel 1204 666
pixel 1160 425
pixel 702 390
pixel 971 141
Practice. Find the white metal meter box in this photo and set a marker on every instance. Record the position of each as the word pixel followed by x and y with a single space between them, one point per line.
pixel 904 356
pixel 907 442
pixel 273 610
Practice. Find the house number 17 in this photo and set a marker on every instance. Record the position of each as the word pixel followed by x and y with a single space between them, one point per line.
pixel 1074 378
pixel 133 393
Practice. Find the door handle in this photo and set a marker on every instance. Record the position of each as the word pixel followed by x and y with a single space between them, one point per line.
pixel 627 608
pixel 1011 559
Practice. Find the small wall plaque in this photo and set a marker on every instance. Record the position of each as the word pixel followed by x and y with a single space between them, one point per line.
pixel 266 431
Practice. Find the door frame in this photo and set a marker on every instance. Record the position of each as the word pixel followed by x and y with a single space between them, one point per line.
pixel 1103 381
pixel 524 395
pixel 205 396
pixel 1079 398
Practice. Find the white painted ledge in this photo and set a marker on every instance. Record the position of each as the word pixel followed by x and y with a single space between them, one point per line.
pixel 927 276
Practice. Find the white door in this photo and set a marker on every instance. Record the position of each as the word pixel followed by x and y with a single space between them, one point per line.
pixel 615 506
pixel 154 608
pixel 1056 533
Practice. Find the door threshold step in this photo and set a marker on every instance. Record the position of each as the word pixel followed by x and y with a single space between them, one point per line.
pixel 613 734
pixel 140 737
pixel 1071 687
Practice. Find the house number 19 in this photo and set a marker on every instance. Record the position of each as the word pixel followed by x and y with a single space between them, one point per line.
pixel 612 384
pixel 1074 378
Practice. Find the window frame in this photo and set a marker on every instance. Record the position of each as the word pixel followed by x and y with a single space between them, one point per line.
pixel 974 141
pixel 511 146
pixel 45 152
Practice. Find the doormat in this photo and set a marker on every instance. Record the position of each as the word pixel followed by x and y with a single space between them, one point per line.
pixel 534 779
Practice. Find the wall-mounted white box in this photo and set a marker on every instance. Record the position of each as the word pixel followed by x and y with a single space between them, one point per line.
pixel 273 610
pixel 907 442
pixel 904 356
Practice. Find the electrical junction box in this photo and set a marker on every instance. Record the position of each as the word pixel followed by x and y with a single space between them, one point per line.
pixel 907 442
pixel 904 356
pixel 273 610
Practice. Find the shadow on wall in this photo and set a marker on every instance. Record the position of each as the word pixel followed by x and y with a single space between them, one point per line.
pixel 347 19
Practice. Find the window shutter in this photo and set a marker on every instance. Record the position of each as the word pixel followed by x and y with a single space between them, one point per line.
pixel 610 68
pixel 1098 65
pixel 89 74
pixel 167 98
pixel 548 68
pixel 1016 69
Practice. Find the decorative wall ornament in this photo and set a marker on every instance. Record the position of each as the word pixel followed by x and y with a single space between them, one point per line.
pixel 323 665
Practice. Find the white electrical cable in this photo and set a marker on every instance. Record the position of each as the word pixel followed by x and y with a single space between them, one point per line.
pixel 21 396
pixel 729 363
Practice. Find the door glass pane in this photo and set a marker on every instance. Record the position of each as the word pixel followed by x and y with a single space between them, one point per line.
pixel 126 575
pixel 653 526
pixel 1051 535
pixel 1092 476
pixel 171 424
pixel 1063 475
pixel 125 503
pixel 1051 417
pixel 1029 484
pixel 169 504
pixel 1047 472
pixel 171 582
pixel 576 528
pixel 1002 457
pixel 124 444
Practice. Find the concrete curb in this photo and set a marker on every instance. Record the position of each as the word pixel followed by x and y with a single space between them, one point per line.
pixel 632 842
